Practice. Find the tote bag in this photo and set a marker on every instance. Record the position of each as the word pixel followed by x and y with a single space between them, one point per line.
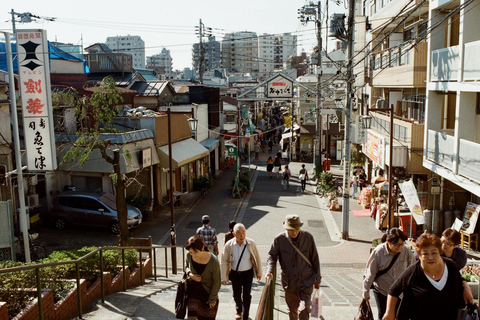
pixel 181 299
pixel 317 302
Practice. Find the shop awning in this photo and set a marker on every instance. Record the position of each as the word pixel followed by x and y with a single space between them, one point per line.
pixel 210 144
pixel 131 158
pixel 183 152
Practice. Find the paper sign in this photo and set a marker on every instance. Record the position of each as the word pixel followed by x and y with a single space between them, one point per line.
pixel 470 217
pixel 411 198
pixel 457 225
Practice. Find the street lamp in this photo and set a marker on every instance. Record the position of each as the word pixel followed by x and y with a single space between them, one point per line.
pixel 368 122
pixel 193 123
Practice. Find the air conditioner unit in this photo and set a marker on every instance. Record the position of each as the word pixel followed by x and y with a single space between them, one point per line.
pixel 32 200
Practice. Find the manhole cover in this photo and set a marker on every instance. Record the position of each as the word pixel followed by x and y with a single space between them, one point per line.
pixel 193 225
pixel 316 223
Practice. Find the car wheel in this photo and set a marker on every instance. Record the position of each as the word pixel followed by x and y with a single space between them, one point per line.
pixel 114 227
pixel 60 223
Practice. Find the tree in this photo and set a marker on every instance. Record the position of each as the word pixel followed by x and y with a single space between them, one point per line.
pixel 95 115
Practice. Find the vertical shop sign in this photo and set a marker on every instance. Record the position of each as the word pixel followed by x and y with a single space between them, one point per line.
pixel 34 73
pixel 411 198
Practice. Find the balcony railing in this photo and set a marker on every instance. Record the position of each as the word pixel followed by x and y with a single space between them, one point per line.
pixel 440 148
pixel 109 62
pixel 444 65
pixel 469 160
pixel 471 68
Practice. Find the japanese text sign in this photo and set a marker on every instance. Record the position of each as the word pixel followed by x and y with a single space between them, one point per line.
pixel 374 148
pixel 34 74
pixel 279 87
pixel 411 198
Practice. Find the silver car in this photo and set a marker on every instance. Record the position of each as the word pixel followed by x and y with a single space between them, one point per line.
pixel 91 208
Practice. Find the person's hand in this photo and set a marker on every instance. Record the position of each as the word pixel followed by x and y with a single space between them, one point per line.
pixel 259 278
pixel 212 305
pixel 224 282
pixel 195 277
pixel 388 317
pixel 366 298
pixel 268 275
pixel 316 285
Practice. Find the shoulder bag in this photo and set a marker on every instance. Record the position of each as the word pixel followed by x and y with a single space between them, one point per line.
pixel 300 252
pixel 383 271
pixel 181 299
pixel 233 273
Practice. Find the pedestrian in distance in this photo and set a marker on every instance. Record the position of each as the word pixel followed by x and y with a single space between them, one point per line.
pixel 208 235
pixel 203 270
pixel 387 261
pixel 270 166
pixel 354 184
pixel 451 238
pixel 303 176
pixel 240 264
pixel 277 163
pixel 257 151
pixel 286 177
pixel 432 287
pixel 270 145
pixel 230 234
pixel 296 251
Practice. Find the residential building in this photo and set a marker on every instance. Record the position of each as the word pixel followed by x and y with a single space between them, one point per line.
pixel 240 52
pixel 212 56
pixel 132 45
pixel 162 63
pixel 452 121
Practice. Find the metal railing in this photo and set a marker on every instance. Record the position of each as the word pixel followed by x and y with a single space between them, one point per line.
pixel 37 268
pixel 267 300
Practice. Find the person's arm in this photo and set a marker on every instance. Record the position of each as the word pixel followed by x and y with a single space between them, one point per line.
pixel 391 307
pixel 272 259
pixel 467 292
pixel 258 261
pixel 224 263
pixel 461 257
pixel 370 272
pixel 217 283
pixel 315 262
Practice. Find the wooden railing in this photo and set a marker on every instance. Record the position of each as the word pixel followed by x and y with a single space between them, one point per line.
pixel 267 300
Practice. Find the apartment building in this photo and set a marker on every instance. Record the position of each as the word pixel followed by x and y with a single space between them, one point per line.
pixel 162 63
pixel 212 55
pixel 452 121
pixel 132 45
pixel 239 52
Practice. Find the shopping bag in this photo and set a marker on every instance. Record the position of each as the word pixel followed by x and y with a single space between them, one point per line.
pixel 317 302
pixel 364 311
pixel 470 312
pixel 181 299
pixel 301 177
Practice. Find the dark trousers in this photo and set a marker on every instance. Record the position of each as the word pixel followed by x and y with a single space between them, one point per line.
pixel 299 299
pixel 304 184
pixel 381 301
pixel 242 281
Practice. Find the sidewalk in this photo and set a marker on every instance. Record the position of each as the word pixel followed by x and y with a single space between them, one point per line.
pixel 342 264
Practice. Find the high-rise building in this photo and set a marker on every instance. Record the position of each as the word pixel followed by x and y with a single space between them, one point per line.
pixel 162 63
pixel 211 54
pixel 133 45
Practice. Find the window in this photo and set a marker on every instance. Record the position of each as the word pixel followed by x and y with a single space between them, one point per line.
pixel 230 118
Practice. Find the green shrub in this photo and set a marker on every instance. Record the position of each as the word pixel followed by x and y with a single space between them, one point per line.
pixel 326 181
pixel 200 182
pixel 19 288
pixel 139 201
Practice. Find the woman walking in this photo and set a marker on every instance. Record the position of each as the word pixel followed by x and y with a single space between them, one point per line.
pixel 277 162
pixel 286 177
pixel 269 166
pixel 203 269
pixel 354 184
pixel 303 176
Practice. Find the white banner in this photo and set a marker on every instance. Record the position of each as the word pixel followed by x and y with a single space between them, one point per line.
pixel 279 87
pixel 411 198
pixel 34 72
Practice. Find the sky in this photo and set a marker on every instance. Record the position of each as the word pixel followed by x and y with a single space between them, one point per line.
pixel 164 24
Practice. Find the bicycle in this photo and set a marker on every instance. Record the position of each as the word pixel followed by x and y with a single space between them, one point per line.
pixel 204 191
pixel 37 251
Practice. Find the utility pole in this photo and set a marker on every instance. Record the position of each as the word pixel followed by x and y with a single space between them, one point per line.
pixel 348 116
pixel 308 13
pixel 26 17
pixel 202 32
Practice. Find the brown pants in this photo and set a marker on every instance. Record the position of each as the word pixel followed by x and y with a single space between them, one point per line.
pixel 295 299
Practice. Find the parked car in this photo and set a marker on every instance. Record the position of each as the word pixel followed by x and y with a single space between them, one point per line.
pixel 91 208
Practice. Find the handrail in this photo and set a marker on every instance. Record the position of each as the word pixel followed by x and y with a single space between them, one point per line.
pixel 267 299
pixel 77 271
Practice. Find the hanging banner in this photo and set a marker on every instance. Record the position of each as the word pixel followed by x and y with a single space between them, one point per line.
pixel 411 198
pixel 361 136
pixel 374 148
pixel 34 73
pixel 470 217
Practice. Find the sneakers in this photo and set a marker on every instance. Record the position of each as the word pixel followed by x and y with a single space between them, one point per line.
pixel 238 316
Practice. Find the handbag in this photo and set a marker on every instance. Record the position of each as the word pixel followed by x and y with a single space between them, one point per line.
pixel 317 302
pixel 181 299
pixel 301 177
pixel 364 311
pixel 470 312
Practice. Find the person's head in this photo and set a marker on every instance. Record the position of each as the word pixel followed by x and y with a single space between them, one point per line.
pixel 395 239
pixel 428 247
pixel 205 219
pixel 355 173
pixel 286 167
pixel 231 224
pixel 450 239
pixel 240 232
pixel 303 166
pixel 195 245
pixel 270 158
pixel 292 224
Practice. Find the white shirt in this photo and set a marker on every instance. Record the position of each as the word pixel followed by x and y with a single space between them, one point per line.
pixel 443 280
pixel 246 262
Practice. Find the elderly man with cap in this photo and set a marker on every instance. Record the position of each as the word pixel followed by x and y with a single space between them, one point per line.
pixel 208 235
pixel 298 256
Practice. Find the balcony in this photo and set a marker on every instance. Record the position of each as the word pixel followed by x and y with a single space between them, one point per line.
pixel 440 148
pixel 109 62
pixel 400 67
pixel 445 64
pixel 471 68
pixel 468 162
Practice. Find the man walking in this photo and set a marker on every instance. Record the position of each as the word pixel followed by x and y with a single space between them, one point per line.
pixel 241 263
pixel 208 235
pixel 298 256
